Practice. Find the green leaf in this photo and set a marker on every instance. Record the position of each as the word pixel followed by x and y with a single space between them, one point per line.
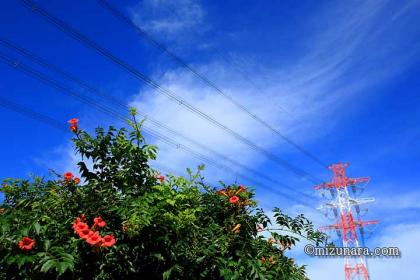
pixel 62 267
pixel 25 231
pixel 47 265
pixel 37 227
pixel 47 245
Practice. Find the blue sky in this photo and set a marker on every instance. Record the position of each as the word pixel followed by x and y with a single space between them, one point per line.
pixel 340 78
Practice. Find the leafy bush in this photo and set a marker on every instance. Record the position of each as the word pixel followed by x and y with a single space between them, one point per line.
pixel 126 221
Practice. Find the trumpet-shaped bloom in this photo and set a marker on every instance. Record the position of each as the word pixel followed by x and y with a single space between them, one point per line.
pixel 85 233
pixel 73 124
pixel 68 176
pixel 94 239
pixel 108 241
pixel 234 199
pixel 79 226
pixel 99 222
pixel 26 244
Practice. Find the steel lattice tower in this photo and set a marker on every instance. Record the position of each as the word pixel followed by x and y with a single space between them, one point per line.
pixel 346 225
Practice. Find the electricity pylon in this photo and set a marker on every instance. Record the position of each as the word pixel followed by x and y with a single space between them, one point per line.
pixel 355 267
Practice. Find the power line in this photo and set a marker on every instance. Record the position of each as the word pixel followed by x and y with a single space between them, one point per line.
pixel 104 109
pixel 20 109
pixel 225 57
pixel 8 104
pixel 203 78
pixel 41 61
pixel 169 94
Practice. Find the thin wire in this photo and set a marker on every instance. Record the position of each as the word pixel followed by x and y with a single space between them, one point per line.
pixel 104 109
pixel 229 60
pixel 225 57
pixel 41 61
pixel 8 104
pixel 203 78
pixel 169 94
pixel 20 109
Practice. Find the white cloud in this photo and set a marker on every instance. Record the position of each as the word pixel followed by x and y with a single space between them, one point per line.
pixel 399 202
pixel 61 159
pixel 338 66
pixel 168 19
pixel 343 51
pixel 173 115
pixel 403 236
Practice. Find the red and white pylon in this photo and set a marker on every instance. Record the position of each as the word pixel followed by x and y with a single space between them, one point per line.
pixel 354 267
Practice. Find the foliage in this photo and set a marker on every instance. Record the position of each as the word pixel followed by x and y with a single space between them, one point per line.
pixel 165 228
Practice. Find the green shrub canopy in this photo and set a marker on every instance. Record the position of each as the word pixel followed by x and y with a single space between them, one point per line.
pixel 123 220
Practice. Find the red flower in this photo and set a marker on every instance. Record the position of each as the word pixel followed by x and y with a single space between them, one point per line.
pixel 85 233
pixel 241 188
pixel 73 124
pixel 77 180
pixel 26 244
pixel 79 226
pixel 161 178
pixel 75 223
pixel 99 222
pixel 108 241
pixel 68 176
pixel 82 218
pixel 94 239
pixel 234 199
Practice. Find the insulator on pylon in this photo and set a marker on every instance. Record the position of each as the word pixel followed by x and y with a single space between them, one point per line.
pixel 335 211
pixel 339 234
pixel 357 209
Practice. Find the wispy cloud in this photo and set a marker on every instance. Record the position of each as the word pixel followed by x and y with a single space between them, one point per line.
pixel 61 159
pixel 399 201
pixel 351 49
pixel 168 19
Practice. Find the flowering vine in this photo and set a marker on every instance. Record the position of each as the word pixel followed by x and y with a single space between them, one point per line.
pixel 91 234
pixel 236 196
pixel 69 178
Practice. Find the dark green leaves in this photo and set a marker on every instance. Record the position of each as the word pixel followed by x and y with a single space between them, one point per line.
pixel 176 228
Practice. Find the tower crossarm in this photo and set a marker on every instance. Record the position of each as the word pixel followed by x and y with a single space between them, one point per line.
pixel 359 201
pixel 355 181
pixel 357 223
pixel 327 185
pixel 360 223
pixel 330 227
pixel 327 205
pixel 344 182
